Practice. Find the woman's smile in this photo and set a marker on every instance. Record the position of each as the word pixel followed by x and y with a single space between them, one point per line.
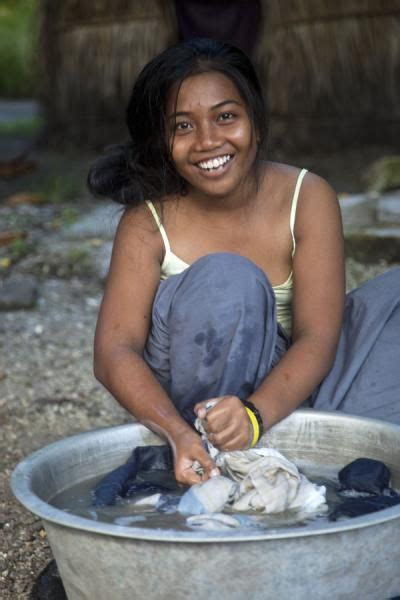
pixel 213 164
pixel 215 167
pixel 212 140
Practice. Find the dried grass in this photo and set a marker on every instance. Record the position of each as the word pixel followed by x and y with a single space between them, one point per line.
pixel 91 61
pixel 332 69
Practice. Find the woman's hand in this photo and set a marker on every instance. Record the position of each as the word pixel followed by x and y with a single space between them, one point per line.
pixel 227 424
pixel 187 449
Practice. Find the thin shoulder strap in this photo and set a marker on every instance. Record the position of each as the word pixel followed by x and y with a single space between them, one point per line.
pixel 159 225
pixel 294 205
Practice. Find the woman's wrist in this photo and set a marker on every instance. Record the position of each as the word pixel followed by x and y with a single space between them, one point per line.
pixel 173 431
pixel 256 421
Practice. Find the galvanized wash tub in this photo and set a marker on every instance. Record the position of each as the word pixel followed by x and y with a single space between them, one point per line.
pixel 356 558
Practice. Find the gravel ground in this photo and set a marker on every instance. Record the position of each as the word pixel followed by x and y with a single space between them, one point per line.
pixel 47 392
pixel 47 389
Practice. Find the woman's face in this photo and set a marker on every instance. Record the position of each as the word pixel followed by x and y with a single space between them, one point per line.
pixel 213 142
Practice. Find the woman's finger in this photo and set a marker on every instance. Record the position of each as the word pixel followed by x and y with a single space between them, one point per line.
pixel 237 443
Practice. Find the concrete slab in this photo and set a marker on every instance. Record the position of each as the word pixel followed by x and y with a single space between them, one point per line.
pixel 388 209
pixel 358 210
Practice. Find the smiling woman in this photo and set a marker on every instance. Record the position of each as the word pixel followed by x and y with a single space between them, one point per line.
pixel 227 277
pixel 212 143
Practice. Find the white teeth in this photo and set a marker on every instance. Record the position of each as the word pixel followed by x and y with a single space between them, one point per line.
pixel 214 163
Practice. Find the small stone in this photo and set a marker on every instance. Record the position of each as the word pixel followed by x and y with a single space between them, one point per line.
pixel 92 302
pixel 18 292
pixel 3 375
pixel 38 329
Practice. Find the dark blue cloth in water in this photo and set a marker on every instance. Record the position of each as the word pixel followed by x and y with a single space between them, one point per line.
pixel 357 507
pixel 123 482
pixel 214 331
pixel 365 475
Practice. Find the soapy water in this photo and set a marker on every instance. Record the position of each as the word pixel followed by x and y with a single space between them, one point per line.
pixel 77 500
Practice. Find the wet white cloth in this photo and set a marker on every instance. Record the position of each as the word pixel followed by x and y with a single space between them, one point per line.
pixel 214 522
pixel 208 497
pixel 270 483
pixel 261 479
pixel 152 500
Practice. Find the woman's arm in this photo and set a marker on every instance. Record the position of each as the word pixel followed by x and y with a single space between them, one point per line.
pixel 121 334
pixel 319 290
pixel 318 301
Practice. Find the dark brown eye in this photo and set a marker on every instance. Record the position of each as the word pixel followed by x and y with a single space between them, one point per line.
pixel 226 116
pixel 182 126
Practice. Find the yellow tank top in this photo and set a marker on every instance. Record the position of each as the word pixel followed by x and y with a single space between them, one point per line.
pixel 173 265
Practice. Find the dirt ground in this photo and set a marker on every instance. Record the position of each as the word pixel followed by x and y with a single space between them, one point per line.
pixel 47 389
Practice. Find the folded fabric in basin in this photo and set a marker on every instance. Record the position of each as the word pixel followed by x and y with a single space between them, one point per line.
pixel 357 507
pixel 208 497
pixel 123 482
pixel 260 480
pixel 270 483
pixel 365 475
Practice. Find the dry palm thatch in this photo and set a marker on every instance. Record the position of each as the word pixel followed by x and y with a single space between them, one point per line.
pixel 91 54
pixel 332 71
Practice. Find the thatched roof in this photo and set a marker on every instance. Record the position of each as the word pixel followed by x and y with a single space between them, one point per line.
pixel 92 52
pixel 332 71
pixel 330 68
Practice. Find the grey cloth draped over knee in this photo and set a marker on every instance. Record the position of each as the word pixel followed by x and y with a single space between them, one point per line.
pixel 214 332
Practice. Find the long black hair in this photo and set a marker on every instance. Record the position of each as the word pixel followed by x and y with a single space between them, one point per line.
pixel 143 168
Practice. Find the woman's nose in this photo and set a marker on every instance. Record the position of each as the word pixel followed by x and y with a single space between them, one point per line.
pixel 207 137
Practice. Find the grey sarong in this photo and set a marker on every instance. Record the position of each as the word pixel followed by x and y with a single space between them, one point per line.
pixel 365 377
pixel 214 332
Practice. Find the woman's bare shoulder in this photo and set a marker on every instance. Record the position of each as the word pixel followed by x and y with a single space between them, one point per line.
pixel 138 229
pixel 314 189
pixel 279 178
pixel 318 207
pixel 283 173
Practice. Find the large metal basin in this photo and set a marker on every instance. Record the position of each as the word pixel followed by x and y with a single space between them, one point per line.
pixel 356 558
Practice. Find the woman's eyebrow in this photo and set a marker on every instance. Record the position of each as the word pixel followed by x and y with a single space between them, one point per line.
pixel 183 113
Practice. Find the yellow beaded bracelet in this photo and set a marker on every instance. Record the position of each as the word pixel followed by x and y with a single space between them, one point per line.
pixel 256 428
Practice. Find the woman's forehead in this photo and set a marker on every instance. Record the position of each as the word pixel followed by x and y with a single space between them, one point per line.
pixel 203 90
